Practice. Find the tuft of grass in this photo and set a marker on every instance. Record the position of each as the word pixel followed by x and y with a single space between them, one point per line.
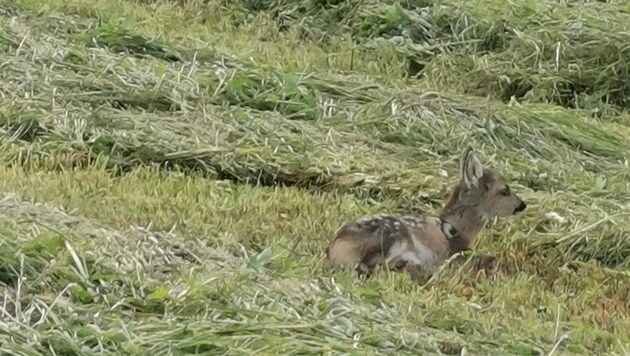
pixel 172 188
pixel 119 40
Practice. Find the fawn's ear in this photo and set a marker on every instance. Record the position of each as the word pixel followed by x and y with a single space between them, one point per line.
pixel 470 167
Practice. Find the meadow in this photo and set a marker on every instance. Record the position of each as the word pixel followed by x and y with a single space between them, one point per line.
pixel 172 172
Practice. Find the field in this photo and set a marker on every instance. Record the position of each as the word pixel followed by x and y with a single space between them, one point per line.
pixel 173 171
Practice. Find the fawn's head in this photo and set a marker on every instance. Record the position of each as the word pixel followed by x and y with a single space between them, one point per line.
pixel 484 189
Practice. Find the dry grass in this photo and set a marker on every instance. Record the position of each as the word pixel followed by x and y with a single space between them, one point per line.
pixel 173 172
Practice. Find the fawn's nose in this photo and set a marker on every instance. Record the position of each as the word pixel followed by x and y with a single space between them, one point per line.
pixel 520 207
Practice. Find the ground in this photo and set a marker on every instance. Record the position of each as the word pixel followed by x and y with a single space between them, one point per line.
pixel 173 171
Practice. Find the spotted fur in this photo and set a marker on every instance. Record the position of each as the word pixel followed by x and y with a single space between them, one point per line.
pixel 421 240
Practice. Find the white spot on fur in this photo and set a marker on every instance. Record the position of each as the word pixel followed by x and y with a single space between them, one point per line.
pixel 420 254
pixel 448 230
pixel 413 221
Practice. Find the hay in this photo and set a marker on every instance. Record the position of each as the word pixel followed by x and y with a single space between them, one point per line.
pixel 88 104
pixel 544 53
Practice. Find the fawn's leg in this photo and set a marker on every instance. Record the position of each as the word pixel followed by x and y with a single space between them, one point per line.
pixel 482 262
pixel 366 267
pixel 419 273
pixel 487 262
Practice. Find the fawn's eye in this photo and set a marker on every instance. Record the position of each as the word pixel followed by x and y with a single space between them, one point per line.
pixel 505 191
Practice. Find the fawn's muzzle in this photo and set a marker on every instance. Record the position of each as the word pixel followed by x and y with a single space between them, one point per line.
pixel 520 207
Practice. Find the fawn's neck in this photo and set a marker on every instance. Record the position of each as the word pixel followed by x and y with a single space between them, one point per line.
pixel 465 218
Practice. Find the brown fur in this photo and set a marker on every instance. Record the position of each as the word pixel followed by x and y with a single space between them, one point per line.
pixel 410 242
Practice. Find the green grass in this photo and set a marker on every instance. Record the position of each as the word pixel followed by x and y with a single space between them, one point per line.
pixel 173 171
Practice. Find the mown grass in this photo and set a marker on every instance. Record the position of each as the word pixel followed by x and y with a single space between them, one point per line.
pixel 174 170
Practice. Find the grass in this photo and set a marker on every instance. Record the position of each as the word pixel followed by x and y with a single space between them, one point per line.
pixel 172 172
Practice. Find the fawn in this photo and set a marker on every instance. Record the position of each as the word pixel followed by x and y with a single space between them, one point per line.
pixel 423 242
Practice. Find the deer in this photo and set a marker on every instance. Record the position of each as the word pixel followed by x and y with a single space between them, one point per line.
pixel 423 242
